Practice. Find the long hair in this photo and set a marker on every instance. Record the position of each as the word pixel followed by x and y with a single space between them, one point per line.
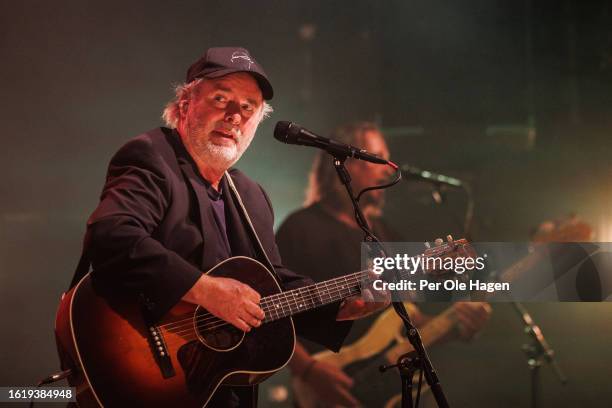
pixel 323 183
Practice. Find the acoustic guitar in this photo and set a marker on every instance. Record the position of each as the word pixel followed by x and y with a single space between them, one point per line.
pixel 118 358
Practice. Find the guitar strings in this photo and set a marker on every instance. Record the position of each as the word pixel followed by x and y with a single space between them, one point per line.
pixel 220 323
pixel 193 334
pixel 211 321
pixel 278 307
pixel 292 298
pixel 280 297
pixel 280 313
pixel 289 298
pixel 285 295
pixel 267 301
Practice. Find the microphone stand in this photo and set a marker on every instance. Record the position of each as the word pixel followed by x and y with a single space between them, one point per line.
pixel 439 196
pixel 411 331
pixel 407 364
pixel 537 352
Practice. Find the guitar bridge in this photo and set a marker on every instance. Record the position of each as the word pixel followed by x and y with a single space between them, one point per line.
pixel 160 351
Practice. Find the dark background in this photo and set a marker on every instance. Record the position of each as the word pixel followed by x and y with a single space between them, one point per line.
pixel 514 96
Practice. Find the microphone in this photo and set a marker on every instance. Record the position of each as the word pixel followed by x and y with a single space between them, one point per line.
pixel 291 133
pixel 425 175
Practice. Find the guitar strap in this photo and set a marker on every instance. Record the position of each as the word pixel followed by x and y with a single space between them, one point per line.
pixel 251 228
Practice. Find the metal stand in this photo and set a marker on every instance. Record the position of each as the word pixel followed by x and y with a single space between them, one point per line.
pixel 438 192
pixel 407 364
pixel 413 335
pixel 534 364
pixel 537 351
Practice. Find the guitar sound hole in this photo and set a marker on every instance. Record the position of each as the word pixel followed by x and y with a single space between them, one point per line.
pixel 215 333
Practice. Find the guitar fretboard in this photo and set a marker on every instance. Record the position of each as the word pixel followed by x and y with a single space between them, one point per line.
pixel 310 297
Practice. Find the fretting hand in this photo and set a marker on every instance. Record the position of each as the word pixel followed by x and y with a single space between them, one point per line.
pixel 369 301
pixel 472 317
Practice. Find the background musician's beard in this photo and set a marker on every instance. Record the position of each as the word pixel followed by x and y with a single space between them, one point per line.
pixel 372 204
pixel 372 212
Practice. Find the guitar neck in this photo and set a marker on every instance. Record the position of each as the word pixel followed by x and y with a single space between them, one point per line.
pixel 333 290
pixel 306 298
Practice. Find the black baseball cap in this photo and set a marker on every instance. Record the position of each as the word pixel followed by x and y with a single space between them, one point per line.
pixel 219 61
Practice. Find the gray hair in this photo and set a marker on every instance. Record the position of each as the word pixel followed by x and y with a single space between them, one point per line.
pixel 186 91
pixel 323 183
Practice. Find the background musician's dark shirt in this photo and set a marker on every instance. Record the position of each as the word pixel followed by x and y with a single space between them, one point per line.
pixel 314 243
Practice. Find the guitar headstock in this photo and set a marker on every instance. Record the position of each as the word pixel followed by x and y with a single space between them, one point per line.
pixel 449 250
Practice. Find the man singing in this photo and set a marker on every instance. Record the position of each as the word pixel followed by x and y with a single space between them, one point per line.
pixel 167 211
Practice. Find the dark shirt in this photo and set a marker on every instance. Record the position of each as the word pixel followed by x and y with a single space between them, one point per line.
pixel 222 248
pixel 225 396
pixel 314 243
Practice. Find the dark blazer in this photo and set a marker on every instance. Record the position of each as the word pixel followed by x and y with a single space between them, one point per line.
pixel 148 234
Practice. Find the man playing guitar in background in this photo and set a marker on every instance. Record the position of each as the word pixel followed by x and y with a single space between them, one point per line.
pixel 323 240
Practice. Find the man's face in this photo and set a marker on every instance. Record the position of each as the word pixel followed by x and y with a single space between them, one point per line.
pixel 219 121
pixel 365 174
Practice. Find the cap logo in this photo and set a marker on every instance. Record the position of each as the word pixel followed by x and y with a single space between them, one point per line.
pixel 241 55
